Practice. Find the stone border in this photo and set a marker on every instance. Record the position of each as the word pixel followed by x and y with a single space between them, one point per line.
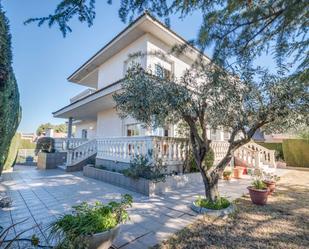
pixel 217 213
pixel 141 185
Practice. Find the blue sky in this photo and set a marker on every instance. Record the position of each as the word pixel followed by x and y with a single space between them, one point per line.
pixel 43 59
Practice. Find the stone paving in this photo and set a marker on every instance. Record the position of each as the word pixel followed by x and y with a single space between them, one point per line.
pixel 39 196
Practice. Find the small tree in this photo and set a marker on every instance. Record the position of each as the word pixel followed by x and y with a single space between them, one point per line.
pixel 207 96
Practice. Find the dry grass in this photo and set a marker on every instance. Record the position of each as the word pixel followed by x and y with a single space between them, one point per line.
pixel 283 223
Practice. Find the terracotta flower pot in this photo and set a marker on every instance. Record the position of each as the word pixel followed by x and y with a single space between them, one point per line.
pixel 271 185
pixel 258 196
pixel 238 172
pixel 227 177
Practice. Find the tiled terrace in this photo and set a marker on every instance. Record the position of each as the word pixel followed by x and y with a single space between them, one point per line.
pixel 42 195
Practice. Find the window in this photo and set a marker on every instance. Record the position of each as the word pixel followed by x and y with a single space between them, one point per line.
pixel 135 130
pixel 162 72
pixel 226 135
pixel 84 133
pixel 214 135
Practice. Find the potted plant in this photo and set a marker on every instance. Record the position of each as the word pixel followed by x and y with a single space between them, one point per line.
pixel 270 181
pixel 238 172
pixel 227 175
pixel 90 226
pixel 258 192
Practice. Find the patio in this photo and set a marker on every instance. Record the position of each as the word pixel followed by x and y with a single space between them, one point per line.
pixel 42 195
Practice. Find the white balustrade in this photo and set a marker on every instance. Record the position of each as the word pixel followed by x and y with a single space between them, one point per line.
pixel 168 149
pixel 63 144
pixel 81 152
pixel 255 155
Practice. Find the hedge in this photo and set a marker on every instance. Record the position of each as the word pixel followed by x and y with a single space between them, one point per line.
pixel 26 144
pixel 13 150
pixel 296 152
pixel 274 146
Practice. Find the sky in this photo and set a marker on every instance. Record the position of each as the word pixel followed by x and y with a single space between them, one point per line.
pixel 43 58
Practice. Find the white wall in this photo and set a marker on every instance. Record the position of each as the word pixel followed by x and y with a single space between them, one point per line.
pixel 90 126
pixel 113 69
pixel 109 124
pixel 178 63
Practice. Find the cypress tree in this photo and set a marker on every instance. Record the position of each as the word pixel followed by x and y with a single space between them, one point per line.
pixel 10 111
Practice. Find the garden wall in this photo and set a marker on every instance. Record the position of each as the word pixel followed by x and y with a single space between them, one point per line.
pixel 141 185
pixel 296 152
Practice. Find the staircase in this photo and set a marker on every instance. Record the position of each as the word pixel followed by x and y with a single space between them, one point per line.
pixel 80 155
pixel 253 155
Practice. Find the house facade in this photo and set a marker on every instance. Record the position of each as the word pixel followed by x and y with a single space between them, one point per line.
pixel 92 112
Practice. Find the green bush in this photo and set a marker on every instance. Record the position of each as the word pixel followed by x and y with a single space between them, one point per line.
pixel 45 144
pixel 144 167
pixel 296 152
pixel 13 150
pixel 274 146
pixel 68 230
pixel 207 163
pixel 26 144
pixel 221 203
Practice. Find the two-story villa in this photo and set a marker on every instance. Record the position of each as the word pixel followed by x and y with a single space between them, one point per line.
pixel 114 140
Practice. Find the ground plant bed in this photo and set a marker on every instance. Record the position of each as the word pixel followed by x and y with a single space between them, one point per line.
pixel 141 185
pixel 223 208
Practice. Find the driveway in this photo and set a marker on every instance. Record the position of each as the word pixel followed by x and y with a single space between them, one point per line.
pixel 42 195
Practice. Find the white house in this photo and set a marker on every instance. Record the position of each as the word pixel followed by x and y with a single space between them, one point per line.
pixel 99 129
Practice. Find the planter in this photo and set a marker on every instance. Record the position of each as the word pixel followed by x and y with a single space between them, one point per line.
pixel 258 196
pixel 51 160
pixel 141 185
pixel 103 240
pixel 238 172
pixel 212 212
pixel 271 185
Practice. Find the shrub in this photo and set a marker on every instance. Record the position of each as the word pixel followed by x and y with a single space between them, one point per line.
pixel 207 163
pixel 69 229
pixel 13 151
pixel 296 152
pixel 45 144
pixel 274 146
pixel 221 203
pixel 145 167
pixel 26 144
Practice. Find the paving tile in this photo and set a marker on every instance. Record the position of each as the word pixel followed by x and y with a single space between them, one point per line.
pixel 134 245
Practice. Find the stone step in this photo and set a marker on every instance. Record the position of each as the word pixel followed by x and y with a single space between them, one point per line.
pixel 62 167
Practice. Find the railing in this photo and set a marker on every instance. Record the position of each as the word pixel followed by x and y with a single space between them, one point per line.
pixel 265 155
pixel 169 149
pixel 123 149
pixel 81 152
pixel 255 155
pixel 64 144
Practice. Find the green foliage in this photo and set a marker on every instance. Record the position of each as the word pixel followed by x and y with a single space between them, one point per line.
pixel 11 158
pixel 9 96
pixel 258 184
pixel 207 162
pixel 45 144
pixel 87 219
pixel 26 144
pixel 57 128
pixel 146 167
pixel 296 152
pixel 274 146
pixel 220 203
pixel 236 29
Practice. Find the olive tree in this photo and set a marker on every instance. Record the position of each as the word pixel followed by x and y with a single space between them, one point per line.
pixel 207 96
